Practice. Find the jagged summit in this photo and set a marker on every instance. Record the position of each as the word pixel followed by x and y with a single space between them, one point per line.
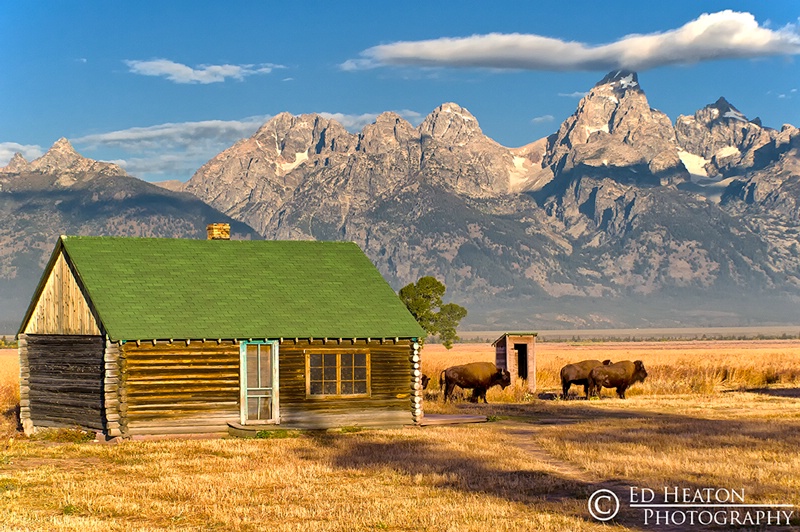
pixel 63 145
pixel 724 109
pixel 60 155
pixel 16 164
pixel 64 162
pixel 450 123
pixel 621 80
pixel 615 131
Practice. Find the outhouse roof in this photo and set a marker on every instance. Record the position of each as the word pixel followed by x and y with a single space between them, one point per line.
pixel 506 334
pixel 158 288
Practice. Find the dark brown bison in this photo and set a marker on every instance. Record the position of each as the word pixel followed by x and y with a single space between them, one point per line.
pixel 425 380
pixel 477 376
pixel 578 373
pixel 620 375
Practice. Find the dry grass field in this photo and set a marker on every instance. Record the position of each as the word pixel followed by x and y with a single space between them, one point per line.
pixel 711 414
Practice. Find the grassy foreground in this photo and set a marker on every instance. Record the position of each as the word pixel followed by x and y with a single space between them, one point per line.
pixel 713 414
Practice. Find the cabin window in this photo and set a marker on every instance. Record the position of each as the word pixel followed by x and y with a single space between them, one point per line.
pixel 334 373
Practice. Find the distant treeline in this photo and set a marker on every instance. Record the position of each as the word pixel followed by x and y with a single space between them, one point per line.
pixel 660 338
pixel 7 343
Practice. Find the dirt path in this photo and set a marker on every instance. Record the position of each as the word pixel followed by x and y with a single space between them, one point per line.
pixel 523 436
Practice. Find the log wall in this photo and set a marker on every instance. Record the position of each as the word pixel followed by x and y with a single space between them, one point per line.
pixel 391 386
pixel 61 381
pixel 174 388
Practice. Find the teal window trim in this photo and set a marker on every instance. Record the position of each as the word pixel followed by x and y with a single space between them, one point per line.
pixel 274 389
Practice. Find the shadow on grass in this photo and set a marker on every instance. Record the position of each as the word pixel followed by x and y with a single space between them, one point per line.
pixel 793 393
pixel 443 468
pixel 611 428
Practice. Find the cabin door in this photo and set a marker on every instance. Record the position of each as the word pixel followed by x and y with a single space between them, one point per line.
pixel 258 379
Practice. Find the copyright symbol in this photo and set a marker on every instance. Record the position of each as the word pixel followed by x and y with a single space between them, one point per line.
pixel 603 505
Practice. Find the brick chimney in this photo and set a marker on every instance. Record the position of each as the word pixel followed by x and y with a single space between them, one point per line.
pixel 219 231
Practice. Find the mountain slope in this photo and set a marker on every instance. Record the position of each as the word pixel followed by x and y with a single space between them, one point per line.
pixel 603 214
pixel 64 193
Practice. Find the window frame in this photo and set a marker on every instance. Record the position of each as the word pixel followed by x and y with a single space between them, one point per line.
pixel 338 352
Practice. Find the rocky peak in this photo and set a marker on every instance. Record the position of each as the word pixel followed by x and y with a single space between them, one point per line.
pixel 16 165
pixel 61 155
pixel 388 131
pixel 300 136
pixel 450 123
pixel 723 136
pixel 721 110
pixel 614 126
pixel 620 80
pixel 69 166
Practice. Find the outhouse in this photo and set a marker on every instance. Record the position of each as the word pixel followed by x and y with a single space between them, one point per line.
pixel 515 352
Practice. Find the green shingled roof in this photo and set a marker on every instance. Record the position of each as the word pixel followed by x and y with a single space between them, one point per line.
pixel 145 288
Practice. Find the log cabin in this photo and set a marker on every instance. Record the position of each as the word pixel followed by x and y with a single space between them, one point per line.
pixel 135 337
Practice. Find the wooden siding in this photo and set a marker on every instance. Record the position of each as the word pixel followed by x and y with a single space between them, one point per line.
pixel 174 388
pixel 62 307
pixel 62 378
pixel 391 386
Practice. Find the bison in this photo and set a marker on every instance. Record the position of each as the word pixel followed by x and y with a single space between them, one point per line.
pixel 578 373
pixel 425 380
pixel 477 376
pixel 620 376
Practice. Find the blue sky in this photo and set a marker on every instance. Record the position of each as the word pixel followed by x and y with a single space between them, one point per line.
pixel 161 87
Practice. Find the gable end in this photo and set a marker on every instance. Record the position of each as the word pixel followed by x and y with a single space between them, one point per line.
pixel 61 306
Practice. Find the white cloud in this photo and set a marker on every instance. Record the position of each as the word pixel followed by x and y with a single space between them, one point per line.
pixel 29 151
pixel 174 135
pixel 171 150
pixel 543 119
pixel 203 74
pixel 355 123
pixel 576 94
pixel 723 35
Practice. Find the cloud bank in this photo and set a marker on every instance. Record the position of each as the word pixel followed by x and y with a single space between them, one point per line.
pixel 171 149
pixel 174 135
pixel 29 151
pixel 203 74
pixel 724 35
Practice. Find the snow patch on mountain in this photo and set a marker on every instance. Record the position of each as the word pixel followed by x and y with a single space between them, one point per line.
pixel 727 151
pixel 695 164
pixel 299 158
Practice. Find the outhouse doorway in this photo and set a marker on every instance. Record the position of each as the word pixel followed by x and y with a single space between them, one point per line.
pixel 522 360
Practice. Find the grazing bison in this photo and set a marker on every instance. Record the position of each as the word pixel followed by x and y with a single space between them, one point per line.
pixel 425 380
pixel 477 376
pixel 620 376
pixel 578 373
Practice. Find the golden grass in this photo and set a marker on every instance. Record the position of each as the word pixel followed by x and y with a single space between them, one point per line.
pixel 9 390
pixel 532 470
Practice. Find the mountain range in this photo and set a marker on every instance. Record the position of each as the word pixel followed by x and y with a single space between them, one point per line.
pixel 65 193
pixel 619 218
